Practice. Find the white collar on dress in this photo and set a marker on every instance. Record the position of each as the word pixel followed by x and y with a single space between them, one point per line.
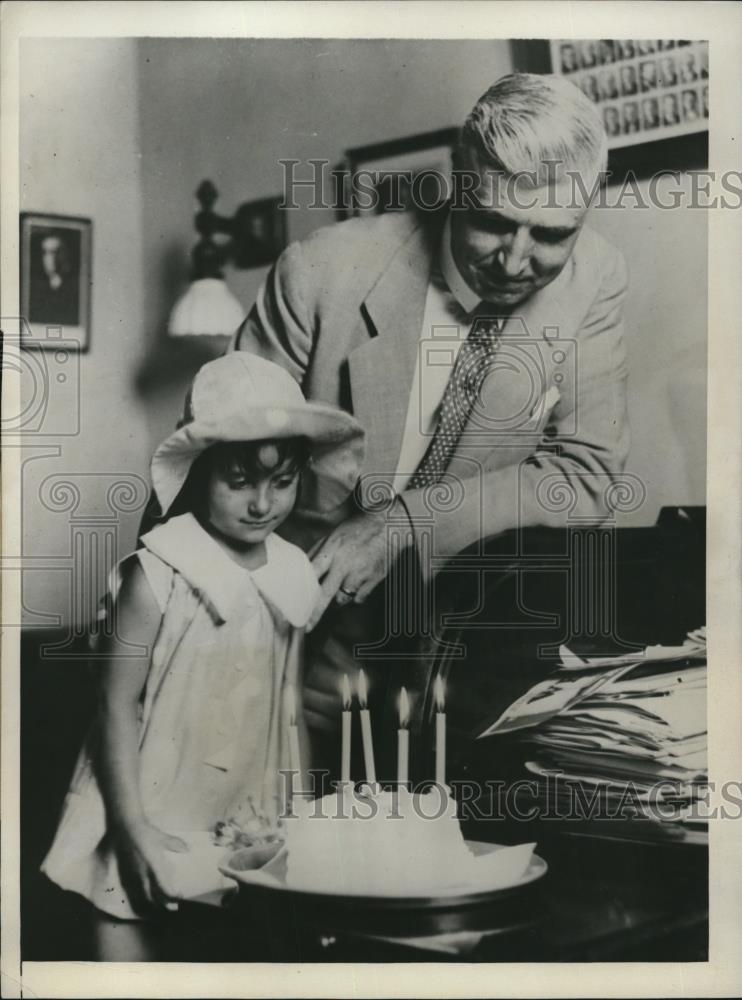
pixel 286 580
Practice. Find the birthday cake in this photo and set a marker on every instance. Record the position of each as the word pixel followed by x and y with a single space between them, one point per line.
pixel 363 841
pixel 390 844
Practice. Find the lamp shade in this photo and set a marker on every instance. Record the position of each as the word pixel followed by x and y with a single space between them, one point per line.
pixel 207 309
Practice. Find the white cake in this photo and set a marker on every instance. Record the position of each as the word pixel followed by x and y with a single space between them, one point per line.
pixel 389 844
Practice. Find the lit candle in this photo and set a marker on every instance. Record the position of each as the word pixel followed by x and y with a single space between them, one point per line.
pixel 440 733
pixel 345 750
pixel 294 755
pixel 403 739
pixel 368 746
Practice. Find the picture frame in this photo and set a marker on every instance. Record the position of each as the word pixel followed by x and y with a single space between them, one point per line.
pixel 387 176
pixel 55 280
pixel 646 89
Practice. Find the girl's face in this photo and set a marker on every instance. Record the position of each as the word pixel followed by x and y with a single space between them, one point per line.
pixel 246 506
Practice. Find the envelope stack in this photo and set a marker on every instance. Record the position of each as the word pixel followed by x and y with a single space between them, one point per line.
pixel 623 738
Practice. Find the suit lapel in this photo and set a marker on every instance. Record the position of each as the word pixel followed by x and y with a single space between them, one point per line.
pixel 382 368
pixel 545 316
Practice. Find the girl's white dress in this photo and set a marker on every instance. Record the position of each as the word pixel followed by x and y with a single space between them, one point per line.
pixel 212 725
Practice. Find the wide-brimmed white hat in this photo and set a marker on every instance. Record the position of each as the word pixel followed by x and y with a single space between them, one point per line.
pixel 242 397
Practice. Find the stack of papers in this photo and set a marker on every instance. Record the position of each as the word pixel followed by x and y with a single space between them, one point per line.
pixel 578 678
pixel 636 721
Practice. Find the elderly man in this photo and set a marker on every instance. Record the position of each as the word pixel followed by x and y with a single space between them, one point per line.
pixel 479 346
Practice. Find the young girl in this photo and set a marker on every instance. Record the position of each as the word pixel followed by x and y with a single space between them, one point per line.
pixel 201 636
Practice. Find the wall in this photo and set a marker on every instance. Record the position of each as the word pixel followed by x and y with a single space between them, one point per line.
pixel 229 109
pixel 666 321
pixel 123 130
pixel 80 155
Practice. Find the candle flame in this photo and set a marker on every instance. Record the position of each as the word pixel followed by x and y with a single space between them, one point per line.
pixel 290 703
pixel 345 692
pixel 404 708
pixel 440 700
pixel 362 689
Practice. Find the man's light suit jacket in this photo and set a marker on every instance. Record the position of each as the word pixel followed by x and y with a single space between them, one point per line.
pixel 343 312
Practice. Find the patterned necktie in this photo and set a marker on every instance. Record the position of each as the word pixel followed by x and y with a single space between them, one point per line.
pixel 462 391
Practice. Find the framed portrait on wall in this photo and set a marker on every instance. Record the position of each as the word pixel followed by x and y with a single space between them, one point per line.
pixel 390 176
pixel 646 89
pixel 56 280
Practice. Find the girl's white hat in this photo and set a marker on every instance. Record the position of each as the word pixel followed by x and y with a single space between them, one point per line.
pixel 243 397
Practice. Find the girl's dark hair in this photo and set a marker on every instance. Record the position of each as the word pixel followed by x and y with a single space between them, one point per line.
pixel 251 459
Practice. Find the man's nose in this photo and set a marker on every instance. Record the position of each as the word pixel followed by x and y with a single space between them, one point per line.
pixel 514 253
pixel 259 502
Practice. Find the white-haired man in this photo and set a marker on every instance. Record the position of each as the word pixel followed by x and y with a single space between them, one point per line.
pixel 376 315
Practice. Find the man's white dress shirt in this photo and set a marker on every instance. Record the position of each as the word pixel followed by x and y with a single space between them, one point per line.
pixel 446 322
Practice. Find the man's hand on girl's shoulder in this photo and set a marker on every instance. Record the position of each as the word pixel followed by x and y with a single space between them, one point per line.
pixel 351 561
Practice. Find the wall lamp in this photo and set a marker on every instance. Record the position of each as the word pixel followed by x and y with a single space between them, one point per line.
pixel 252 237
